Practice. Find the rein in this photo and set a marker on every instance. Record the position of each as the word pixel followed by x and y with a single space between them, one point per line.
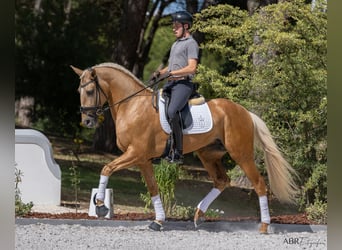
pixel 99 110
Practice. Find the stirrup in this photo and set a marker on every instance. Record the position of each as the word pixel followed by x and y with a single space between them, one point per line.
pixel 178 159
pixel 175 157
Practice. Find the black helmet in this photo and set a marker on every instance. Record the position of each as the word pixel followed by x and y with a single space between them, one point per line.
pixel 182 17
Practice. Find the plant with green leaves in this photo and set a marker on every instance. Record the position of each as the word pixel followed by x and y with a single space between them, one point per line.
pixel 75 183
pixel 166 174
pixel 21 208
pixel 276 66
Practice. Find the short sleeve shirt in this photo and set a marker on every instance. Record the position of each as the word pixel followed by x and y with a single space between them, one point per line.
pixel 181 51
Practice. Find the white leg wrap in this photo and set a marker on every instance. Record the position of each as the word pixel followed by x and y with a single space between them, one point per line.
pixel 158 208
pixel 265 214
pixel 211 196
pixel 102 188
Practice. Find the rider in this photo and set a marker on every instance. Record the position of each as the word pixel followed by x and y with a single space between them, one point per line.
pixel 181 68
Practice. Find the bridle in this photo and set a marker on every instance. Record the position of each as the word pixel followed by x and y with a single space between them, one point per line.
pixel 98 109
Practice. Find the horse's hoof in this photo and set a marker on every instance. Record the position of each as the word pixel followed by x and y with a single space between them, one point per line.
pixel 263 228
pixel 155 226
pixel 198 218
pixel 101 211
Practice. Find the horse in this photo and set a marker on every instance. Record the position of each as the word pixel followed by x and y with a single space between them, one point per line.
pixel 141 139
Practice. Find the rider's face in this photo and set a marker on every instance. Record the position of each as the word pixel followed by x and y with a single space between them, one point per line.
pixel 177 29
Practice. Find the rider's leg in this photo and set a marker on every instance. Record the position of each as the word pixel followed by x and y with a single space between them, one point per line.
pixel 178 139
pixel 180 94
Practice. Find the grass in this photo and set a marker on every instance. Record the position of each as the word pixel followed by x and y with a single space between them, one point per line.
pixel 126 185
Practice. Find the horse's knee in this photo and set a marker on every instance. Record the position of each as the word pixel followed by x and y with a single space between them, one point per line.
pixel 107 170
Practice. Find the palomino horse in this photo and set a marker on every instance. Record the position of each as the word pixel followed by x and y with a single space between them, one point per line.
pixel 141 138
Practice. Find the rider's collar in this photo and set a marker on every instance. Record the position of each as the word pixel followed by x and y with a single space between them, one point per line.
pixel 184 38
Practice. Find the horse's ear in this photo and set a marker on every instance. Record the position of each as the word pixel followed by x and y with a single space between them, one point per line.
pixel 77 70
pixel 93 72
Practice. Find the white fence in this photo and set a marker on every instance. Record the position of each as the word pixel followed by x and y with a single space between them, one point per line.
pixel 41 180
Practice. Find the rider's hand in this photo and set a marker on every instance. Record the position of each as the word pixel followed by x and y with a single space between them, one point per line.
pixel 155 75
pixel 167 74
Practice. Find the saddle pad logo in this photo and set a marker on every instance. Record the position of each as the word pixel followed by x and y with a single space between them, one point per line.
pixel 201 116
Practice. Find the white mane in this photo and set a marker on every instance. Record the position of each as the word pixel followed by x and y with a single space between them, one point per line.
pixel 123 69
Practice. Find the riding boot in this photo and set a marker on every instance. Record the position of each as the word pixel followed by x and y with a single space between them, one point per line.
pixel 177 155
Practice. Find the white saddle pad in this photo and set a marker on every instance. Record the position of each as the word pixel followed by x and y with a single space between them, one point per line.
pixel 202 121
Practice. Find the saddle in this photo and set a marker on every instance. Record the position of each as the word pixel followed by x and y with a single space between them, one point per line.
pixel 195 117
pixel 185 113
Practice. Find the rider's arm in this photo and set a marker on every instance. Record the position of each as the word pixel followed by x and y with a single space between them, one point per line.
pixel 190 69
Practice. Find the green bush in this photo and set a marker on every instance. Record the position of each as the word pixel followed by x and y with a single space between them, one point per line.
pixel 318 212
pixel 21 208
pixel 166 176
pixel 276 67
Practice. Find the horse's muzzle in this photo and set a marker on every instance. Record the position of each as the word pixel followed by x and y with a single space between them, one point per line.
pixel 89 122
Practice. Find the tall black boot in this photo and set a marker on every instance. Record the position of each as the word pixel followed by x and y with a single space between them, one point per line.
pixel 176 155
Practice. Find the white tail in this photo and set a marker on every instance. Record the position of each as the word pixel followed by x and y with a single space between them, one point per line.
pixel 280 172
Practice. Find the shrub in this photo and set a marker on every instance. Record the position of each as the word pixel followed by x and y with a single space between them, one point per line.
pixel 318 212
pixel 166 176
pixel 21 208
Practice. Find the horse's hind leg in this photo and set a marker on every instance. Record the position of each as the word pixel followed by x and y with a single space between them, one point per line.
pixel 238 139
pixel 242 152
pixel 259 185
pixel 211 158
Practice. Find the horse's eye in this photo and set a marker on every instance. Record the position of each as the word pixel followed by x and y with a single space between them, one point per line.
pixel 90 92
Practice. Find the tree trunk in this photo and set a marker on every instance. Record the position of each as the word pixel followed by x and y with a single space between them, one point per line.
pixel 24 111
pixel 133 19
pixel 105 137
pixel 144 45
pixel 125 54
pixel 37 4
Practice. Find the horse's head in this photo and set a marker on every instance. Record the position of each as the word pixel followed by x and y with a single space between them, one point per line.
pixel 92 97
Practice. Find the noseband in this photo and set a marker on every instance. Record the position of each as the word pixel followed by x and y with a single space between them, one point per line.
pixel 98 109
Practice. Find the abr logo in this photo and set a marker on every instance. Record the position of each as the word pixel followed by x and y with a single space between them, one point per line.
pixel 293 241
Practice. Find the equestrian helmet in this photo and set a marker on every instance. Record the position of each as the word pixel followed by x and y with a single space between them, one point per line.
pixel 182 17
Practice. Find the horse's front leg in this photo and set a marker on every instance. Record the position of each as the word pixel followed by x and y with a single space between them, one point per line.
pixel 152 186
pixel 124 161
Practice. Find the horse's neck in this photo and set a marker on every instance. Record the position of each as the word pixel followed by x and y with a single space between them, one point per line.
pixel 122 86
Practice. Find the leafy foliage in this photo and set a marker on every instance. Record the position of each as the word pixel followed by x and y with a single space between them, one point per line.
pixel 277 68
pixel 21 208
pixel 47 41
pixel 166 176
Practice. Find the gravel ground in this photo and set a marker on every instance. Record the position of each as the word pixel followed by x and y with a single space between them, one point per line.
pixel 48 234
pixel 71 236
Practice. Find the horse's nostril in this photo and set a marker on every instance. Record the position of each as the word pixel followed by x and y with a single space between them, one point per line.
pixel 88 123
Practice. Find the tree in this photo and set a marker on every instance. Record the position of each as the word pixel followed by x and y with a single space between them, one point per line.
pixel 288 90
pixel 138 25
pixel 47 41
pixel 130 51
